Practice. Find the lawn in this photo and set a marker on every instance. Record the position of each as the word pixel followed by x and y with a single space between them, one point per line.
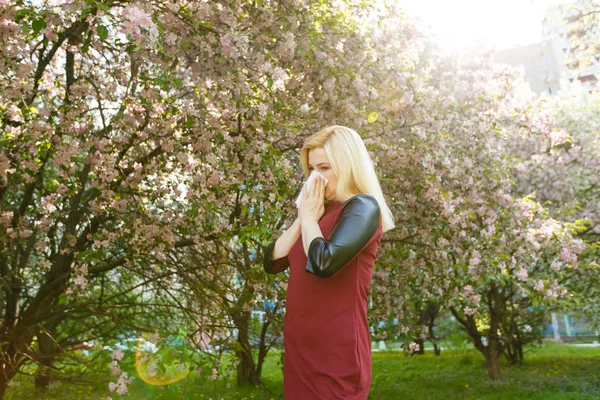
pixel 550 372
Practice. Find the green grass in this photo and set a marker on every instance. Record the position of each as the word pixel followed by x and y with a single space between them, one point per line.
pixel 550 372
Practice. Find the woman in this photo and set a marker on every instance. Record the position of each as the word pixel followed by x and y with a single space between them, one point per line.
pixel 330 250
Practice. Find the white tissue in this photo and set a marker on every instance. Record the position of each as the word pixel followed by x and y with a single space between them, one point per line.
pixel 309 181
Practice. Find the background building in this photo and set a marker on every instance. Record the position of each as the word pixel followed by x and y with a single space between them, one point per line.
pixel 542 69
pixel 555 58
pixel 561 25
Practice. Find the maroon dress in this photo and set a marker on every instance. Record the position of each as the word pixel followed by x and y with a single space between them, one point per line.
pixel 326 335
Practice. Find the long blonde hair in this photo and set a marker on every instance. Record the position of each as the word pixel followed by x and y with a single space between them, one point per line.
pixel 351 163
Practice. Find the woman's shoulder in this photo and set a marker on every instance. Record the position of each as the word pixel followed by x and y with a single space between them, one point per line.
pixel 362 202
pixel 363 210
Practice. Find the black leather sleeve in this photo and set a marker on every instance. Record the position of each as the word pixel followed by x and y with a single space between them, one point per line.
pixel 274 266
pixel 357 224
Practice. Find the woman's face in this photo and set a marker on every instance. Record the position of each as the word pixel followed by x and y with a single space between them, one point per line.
pixel 318 161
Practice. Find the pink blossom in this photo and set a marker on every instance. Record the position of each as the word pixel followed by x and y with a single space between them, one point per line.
pixel 14 113
pixel 121 386
pixel 114 368
pixel 476 298
pixel 468 290
pixel 558 137
pixel 228 48
pixel 522 274
pixel 413 347
pixel 475 258
pixel 565 255
pixel 539 286
pixel 118 355
pixel 136 19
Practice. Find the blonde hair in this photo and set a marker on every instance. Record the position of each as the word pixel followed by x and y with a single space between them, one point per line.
pixel 351 163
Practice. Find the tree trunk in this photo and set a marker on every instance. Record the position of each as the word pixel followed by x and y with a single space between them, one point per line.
pixel 437 351
pixel 47 354
pixel 262 347
pixel 496 304
pixel 433 311
pixel 6 374
pixel 492 352
pixel 520 352
pixel 493 364
pixel 246 370
pixel 514 348
pixel 421 344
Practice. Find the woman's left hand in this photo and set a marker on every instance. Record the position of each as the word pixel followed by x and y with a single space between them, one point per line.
pixel 312 206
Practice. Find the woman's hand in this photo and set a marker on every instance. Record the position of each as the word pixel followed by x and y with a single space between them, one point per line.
pixel 312 206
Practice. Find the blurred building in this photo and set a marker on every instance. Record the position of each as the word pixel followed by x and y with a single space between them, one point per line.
pixel 555 58
pixel 542 69
pixel 562 26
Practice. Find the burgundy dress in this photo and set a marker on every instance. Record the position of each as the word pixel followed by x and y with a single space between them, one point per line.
pixel 326 335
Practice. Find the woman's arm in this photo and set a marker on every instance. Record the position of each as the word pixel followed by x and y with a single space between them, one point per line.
pixel 358 222
pixel 275 257
pixel 287 240
pixel 310 231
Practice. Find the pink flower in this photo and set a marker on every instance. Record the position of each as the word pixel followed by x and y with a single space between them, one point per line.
pixel 522 274
pixel 136 18
pixel 468 290
pixel 565 255
pixel 413 347
pixel 114 368
pixel 14 113
pixel 539 286
pixel 228 47
pixel 118 355
pixel 558 137
pixel 475 259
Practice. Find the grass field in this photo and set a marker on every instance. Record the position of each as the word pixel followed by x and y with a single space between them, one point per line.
pixel 550 372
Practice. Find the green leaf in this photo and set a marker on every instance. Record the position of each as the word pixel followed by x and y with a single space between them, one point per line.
pixel 37 25
pixel 102 6
pixel 19 15
pixel 102 32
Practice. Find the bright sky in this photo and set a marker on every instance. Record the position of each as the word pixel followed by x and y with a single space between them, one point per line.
pixel 466 24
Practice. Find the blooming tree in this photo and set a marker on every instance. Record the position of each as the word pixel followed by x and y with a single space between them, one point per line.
pixel 486 254
pixel 132 131
pixel 563 172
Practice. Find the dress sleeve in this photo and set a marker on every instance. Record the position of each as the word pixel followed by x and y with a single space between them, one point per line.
pixel 357 224
pixel 274 266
